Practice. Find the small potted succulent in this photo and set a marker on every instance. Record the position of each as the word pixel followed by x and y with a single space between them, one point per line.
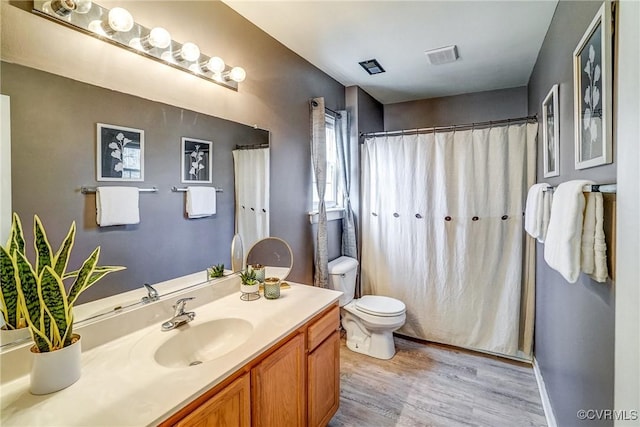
pixel 215 271
pixel 249 283
pixel 45 302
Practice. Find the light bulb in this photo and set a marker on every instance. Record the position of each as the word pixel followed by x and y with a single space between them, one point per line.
pixel 62 7
pixel 189 52
pixel 160 38
pixel 237 74
pixel 215 65
pixel 83 6
pixel 120 19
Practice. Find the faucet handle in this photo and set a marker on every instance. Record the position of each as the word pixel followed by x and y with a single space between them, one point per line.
pixel 152 294
pixel 181 304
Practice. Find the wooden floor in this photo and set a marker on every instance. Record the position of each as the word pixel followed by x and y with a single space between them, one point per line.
pixel 436 385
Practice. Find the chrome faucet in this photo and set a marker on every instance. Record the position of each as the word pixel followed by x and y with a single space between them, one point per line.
pixel 152 294
pixel 179 316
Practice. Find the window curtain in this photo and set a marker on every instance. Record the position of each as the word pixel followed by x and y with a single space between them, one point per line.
pixel 251 173
pixel 319 162
pixel 349 245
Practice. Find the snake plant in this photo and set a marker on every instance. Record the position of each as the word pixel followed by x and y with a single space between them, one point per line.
pixel 38 293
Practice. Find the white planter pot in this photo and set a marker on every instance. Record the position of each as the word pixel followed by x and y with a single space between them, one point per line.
pixel 8 336
pixel 55 370
pixel 249 289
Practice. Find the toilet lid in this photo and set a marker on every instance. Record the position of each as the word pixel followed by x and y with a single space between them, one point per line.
pixel 380 306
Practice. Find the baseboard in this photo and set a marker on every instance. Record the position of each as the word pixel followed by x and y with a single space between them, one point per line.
pixel 544 396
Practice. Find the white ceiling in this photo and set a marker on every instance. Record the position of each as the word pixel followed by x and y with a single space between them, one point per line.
pixel 498 41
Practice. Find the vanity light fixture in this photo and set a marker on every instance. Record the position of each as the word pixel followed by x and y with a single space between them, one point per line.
pixel 118 27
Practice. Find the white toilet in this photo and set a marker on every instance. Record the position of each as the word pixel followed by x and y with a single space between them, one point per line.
pixel 369 321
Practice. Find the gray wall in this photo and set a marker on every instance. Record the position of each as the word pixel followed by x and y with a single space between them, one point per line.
pixel 459 109
pixel 53 124
pixel 275 95
pixel 574 330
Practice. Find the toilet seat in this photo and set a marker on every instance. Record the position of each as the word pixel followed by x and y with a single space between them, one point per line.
pixel 376 305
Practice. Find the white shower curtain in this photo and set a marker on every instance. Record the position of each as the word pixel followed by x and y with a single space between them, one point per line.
pixel 442 231
pixel 251 172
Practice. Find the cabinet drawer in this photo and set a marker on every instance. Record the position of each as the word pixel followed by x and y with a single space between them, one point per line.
pixel 323 327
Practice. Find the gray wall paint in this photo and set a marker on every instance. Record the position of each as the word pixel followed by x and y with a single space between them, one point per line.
pixel 574 330
pixel 53 136
pixel 460 109
pixel 275 96
pixel 367 115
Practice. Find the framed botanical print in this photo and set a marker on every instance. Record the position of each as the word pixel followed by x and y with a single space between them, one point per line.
pixel 592 77
pixel 551 133
pixel 120 153
pixel 196 161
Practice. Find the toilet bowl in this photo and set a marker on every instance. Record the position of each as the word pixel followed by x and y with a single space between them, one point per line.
pixel 369 321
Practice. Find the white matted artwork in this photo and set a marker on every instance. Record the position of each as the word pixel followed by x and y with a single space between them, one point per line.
pixel 551 133
pixel 196 161
pixel 592 92
pixel 120 153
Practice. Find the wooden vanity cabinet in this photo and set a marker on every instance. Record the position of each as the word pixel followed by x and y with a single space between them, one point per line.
pixel 278 387
pixel 323 368
pixel 229 407
pixel 295 383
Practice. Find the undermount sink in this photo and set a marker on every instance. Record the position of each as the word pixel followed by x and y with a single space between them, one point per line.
pixel 193 345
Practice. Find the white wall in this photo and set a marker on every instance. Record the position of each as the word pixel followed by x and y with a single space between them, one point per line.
pixel 627 336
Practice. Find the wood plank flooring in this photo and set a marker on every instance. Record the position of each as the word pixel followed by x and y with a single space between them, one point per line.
pixel 436 385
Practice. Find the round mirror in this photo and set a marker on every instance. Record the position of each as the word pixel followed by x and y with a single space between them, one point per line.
pixel 236 254
pixel 275 254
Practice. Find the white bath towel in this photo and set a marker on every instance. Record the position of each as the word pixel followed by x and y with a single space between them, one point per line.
pixel 594 247
pixel 201 202
pixel 534 211
pixel 117 206
pixel 564 235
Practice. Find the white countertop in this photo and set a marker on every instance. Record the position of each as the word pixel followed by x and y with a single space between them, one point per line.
pixel 122 385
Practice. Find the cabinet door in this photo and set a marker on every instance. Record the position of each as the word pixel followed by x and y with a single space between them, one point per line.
pixel 324 381
pixel 228 408
pixel 278 387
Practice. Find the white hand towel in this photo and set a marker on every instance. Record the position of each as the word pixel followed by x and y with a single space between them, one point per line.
pixel 201 202
pixel 564 235
pixel 547 200
pixel 117 206
pixel 594 247
pixel 534 211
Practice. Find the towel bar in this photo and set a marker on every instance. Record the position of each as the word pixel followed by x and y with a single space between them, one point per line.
pixel 87 190
pixel 595 188
pixel 176 190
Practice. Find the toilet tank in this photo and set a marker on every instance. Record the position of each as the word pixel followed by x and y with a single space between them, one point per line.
pixel 342 277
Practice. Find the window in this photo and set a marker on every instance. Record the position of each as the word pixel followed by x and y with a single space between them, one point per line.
pixel 333 191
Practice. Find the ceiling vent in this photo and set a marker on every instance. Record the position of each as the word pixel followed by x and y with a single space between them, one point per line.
pixel 442 55
pixel 372 66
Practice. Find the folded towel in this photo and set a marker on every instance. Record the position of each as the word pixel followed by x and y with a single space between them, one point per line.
pixel 117 206
pixel 201 202
pixel 564 235
pixel 594 247
pixel 534 211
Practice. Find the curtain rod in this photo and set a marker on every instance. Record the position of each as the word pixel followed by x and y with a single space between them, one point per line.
pixel 251 147
pixel 491 123
pixel 335 113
